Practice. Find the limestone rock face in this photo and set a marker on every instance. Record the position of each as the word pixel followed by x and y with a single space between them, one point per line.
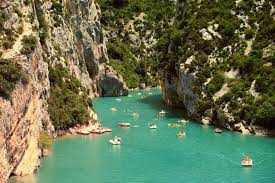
pixel 110 84
pixel 67 33
pixel 204 72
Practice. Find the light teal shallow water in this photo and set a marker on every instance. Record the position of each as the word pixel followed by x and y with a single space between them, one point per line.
pixel 155 156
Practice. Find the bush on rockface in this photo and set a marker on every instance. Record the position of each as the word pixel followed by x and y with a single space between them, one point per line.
pixel 10 74
pixel 68 102
pixel 29 44
pixel 45 140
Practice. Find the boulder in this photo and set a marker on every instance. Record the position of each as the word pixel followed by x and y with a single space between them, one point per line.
pixel 110 83
pixel 134 40
pixel 142 86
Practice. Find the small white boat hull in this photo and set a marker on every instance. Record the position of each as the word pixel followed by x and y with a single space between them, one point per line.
pixel 114 142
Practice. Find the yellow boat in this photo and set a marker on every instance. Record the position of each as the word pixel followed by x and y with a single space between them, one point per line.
pixel 174 125
pixel 181 134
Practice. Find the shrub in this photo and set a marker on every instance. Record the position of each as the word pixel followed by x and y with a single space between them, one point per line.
pixel 29 44
pixel 66 106
pixel 45 140
pixel 10 74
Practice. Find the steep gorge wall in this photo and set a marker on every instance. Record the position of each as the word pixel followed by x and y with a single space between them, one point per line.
pixel 218 63
pixel 67 33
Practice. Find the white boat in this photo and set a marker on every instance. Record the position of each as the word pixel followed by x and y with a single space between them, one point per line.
pixel 124 124
pixel 118 99
pixel 113 109
pixel 162 112
pixel 139 93
pixel 153 126
pixel 247 161
pixel 115 141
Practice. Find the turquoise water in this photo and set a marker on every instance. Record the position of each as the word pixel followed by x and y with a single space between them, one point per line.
pixel 155 156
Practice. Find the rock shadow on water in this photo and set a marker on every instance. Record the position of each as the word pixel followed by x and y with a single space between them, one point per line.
pixel 156 102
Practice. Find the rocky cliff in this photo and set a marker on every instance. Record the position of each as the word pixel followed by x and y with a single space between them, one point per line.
pixel 39 35
pixel 217 62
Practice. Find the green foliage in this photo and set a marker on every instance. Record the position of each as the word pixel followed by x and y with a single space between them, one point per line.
pixel 45 140
pixel 10 74
pixel 29 44
pixel 215 83
pixel 115 15
pixel 68 102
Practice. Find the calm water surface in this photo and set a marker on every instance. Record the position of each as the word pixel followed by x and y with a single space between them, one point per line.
pixel 154 156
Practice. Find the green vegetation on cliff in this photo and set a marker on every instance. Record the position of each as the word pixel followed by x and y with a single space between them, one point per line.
pixel 133 27
pixel 68 102
pixel 45 140
pixel 10 74
pixel 211 38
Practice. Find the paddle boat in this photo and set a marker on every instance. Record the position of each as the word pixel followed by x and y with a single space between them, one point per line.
pixel 135 114
pixel 124 124
pixel 218 130
pixel 174 125
pixel 98 131
pixel 247 161
pixel 153 126
pixel 181 134
pixel 107 129
pixel 83 132
pixel 113 109
pixel 115 141
pixel 183 121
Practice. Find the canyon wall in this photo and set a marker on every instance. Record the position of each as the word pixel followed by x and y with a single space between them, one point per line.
pixel 217 62
pixel 38 35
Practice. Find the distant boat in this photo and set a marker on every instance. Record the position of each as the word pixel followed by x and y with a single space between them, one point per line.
pixel 124 124
pixel 98 131
pixel 162 112
pixel 174 125
pixel 153 126
pixel 183 121
pixel 83 132
pixel 115 141
pixel 107 129
pixel 135 114
pixel 217 130
pixel 246 161
pixel 118 99
pixel 139 93
pixel 113 109
pixel 181 134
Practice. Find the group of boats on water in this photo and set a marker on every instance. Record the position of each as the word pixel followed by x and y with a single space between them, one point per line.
pixel 99 130
pixel 246 161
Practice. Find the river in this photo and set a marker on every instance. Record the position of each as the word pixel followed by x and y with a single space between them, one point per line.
pixel 154 156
